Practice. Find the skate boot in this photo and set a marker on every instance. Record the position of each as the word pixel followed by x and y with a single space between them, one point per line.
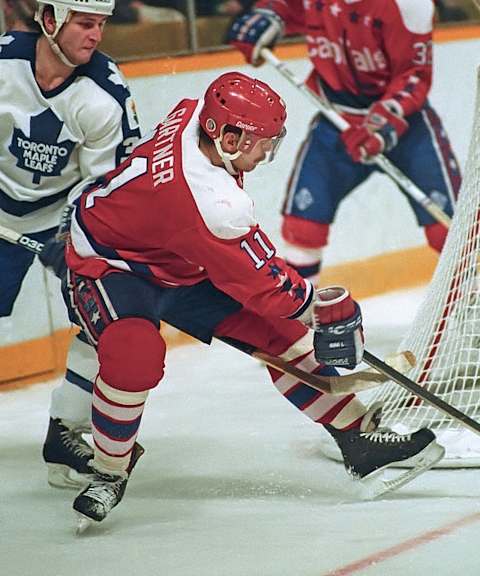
pixel 98 498
pixel 67 454
pixel 103 493
pixel 369 450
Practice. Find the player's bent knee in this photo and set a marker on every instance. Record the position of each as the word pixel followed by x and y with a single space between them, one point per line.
pixel 131 354
pixel 305 233
pixel 436 235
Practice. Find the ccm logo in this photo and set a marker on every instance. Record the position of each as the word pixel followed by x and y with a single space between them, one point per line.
pixel 31 243
pixel 346 328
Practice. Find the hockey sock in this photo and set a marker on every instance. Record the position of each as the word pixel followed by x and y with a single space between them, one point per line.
pixel 116 417
pixel 341 412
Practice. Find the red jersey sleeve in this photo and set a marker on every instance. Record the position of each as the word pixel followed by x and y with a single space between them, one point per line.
pixel 292 13
pixel 248 269
pixel 408 43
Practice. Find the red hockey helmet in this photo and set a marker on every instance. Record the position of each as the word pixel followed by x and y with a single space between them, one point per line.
pixel 246 103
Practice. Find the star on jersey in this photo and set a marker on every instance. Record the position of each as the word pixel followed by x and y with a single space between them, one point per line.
pixel 299 293
pixel 284 282
pixel 354 17
pixel 41 152
pixel 275 270
pixel 335 9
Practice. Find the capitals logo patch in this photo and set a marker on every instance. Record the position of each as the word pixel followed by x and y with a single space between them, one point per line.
pixel 40 152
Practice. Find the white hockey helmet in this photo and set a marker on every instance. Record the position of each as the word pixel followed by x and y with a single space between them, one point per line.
pixel 62 10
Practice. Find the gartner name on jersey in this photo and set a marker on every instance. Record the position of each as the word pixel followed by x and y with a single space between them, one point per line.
pixel 365 60
pixel 163 160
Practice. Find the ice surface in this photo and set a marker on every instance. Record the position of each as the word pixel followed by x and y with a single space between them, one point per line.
pixel 232 484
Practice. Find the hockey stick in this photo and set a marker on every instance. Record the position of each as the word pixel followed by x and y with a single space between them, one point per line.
pixel 339 122
pixel 421 392
pixel 336 385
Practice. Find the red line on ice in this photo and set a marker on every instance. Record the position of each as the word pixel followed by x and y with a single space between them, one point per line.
pixel 406 546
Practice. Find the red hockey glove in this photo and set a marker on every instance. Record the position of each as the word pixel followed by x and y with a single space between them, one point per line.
pixel 253 31
pixel 379 132
pixel 337 321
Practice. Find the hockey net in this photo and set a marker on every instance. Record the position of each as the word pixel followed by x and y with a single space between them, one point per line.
pixel 445 335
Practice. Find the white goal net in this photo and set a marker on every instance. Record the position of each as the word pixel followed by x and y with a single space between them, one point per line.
pixel 445 335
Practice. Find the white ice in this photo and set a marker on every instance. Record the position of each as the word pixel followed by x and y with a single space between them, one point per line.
pixel 232 484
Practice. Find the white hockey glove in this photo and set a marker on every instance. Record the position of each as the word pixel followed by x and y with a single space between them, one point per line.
pixel 337 322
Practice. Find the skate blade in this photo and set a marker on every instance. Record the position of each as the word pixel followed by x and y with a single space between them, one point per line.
pixel 375 485
pixel 84 523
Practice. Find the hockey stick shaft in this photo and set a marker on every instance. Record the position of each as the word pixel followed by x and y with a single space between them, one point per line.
pixel 421 392
pixel 20 239
pixel 337 385
pixel 339 122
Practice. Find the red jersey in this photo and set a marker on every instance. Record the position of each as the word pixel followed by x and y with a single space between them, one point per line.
pixel 168 214
pixel 365 50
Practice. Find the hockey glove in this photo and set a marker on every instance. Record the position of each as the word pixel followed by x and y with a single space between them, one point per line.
pixel 52 255
pixel 253 31
pixel 337 321
pixel 378 133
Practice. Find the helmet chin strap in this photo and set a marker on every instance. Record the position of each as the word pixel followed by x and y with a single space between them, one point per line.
pixel 58 52
pixel 227 157
pixel 51 37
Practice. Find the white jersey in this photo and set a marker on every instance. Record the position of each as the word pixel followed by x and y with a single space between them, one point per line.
pixel 51 141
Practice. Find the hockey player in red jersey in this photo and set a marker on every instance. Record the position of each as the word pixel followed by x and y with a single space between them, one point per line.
pixel 171 235
pixel 372 59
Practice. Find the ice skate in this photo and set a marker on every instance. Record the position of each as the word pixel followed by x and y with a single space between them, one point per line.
pixel 103 493
pixel 67 455
pixel 370 450
pixel 96 500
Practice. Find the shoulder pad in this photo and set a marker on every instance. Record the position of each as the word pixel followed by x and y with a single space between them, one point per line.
pixel 106 74
pixel 417 15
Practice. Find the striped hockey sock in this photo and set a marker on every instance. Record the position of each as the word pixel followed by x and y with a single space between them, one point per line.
pixel 116 416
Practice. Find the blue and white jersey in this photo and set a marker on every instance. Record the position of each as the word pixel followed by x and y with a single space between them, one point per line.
pixel 51 141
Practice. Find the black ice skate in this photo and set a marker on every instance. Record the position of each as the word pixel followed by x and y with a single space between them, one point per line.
pixel 103 493
pixel 67 454
pixel 97 499
pixel 367 453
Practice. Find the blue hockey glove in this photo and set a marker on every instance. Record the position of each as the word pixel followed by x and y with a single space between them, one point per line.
pixel 253 31
pixel 52 255
pixel 337 321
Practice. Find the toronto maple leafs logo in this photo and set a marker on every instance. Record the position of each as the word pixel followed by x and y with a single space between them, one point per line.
pixel 115 75
pixel 40 152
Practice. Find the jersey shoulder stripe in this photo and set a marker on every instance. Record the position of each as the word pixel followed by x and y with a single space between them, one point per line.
pixel 225 208
pixel 106 74
pixel 18 46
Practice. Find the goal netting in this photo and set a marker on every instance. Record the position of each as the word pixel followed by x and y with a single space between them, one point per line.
pixel 445 335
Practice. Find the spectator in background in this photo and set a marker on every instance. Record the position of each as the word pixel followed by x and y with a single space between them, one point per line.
pixel 19 15
pixel 136 11
pixel 222 7
pixel 450 11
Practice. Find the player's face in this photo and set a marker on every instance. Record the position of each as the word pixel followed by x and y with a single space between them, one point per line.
pixel 80 36
pixel 248 161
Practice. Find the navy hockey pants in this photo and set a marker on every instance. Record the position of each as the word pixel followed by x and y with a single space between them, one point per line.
pixel 14 264
pixel 324 174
